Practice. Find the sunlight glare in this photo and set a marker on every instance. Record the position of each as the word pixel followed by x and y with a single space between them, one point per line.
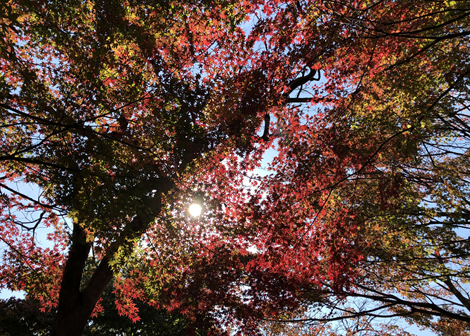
pixel 195 210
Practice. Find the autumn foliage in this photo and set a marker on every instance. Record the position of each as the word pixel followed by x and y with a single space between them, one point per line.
pixel 119 114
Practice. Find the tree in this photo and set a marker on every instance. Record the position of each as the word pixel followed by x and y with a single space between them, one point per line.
pixel 123 113
pixel 104 109
pixel 23 317
pixel 378 176
pixel 152 321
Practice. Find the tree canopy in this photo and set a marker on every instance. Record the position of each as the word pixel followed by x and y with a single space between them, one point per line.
pixel 23 317
pixel 123 113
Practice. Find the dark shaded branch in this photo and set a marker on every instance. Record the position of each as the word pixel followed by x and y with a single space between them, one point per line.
pixel 267 120
pixel 418 307
pixel 298 82
pixel 47 206
pixel 465 301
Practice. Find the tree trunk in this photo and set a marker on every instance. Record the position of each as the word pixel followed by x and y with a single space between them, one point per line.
pixel 76 306
pixel 74 312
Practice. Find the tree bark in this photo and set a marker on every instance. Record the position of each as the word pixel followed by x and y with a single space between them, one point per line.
pixel 73 315
pixel 70 315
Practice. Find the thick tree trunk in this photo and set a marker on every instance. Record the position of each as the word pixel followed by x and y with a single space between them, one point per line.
pixel 72 320
pixel 76 306
pixel 73 315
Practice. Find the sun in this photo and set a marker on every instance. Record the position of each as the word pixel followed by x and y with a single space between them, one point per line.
pixel 195 210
